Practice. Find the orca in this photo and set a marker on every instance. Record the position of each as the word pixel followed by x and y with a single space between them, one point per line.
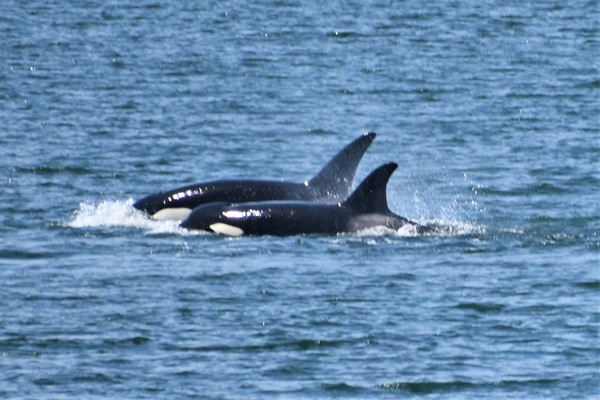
pixel 331 184
pixel 365 208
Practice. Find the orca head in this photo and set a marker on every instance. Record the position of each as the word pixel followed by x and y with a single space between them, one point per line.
pixel 210 217
pixel 150 204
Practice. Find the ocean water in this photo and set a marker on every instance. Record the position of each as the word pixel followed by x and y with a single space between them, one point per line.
pixel 490 108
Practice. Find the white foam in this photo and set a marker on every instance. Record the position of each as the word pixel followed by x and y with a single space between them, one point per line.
pixel 120 213
pixel 454 227
pixel 440 227
pixel 406 231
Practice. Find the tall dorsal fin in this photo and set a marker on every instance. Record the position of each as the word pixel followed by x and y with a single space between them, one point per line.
pixel 370 196
pixel 334 181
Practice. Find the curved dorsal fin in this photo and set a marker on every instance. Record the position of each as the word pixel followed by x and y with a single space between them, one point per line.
pixel 370 196
pixel 335 179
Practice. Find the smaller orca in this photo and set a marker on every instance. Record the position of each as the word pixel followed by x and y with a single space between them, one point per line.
pixel 365 208
pixel 331 184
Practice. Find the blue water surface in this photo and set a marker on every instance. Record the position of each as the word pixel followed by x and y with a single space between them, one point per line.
pixel 490 108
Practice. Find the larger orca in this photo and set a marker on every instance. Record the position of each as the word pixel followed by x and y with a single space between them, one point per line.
pixel 331 184
pixel 365 208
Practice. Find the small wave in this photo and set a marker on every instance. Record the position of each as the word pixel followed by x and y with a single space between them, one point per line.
pixel 481 307
pixel 426 387
pixel 453 227
pixel 120 213
pixel 53 170
pixel 429 387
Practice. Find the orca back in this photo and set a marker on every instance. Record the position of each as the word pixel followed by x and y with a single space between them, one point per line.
pixel 332 183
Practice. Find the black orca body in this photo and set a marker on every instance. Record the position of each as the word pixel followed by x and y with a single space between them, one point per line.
pixel 366 208
pixel 331 184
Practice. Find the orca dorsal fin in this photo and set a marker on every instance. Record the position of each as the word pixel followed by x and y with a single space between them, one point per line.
pixel 370 196
pixel 334 181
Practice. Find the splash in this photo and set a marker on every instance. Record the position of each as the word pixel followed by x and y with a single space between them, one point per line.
pixel 120 213
pixel 439 227
pixel 407 230
pixel 445 226
pixel 448 204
